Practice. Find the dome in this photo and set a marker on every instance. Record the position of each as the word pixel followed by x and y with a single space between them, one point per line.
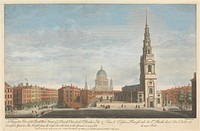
pixel 101 72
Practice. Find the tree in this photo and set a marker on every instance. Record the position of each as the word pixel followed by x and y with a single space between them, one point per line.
pixel 189 98
pixel 111 99
pixel 101 98
pixel 181 97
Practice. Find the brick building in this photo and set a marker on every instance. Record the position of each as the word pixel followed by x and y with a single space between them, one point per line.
pixel 178 96
pixel 87 97
pixel 52 96
pixel 22 96
pixel 35 95
pixel 8 98
pixel 69 96
pixel 27 96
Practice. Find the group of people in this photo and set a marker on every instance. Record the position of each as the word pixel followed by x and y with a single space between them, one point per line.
pixel 123 106
pixel 137 106
pixel 105 106
pixel 34 113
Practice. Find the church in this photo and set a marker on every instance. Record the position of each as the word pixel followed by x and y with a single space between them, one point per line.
pixel 145 92
pixel 103 87
pixel 101 81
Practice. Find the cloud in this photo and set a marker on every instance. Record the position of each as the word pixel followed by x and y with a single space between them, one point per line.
pixel 67 53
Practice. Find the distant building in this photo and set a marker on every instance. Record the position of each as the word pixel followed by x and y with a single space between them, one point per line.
pixel 22 96
pixel 118 96
pixel 28 96
pixel 105 95
pixel 87 97
pixel 74 97
pixel 101 81
pixel 194 94
pixel 8 98
pixel 69 96
pixel 35 95
pixel 177 96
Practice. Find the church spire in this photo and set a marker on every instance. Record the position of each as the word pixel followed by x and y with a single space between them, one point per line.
pixel 146 18
pixel 147 40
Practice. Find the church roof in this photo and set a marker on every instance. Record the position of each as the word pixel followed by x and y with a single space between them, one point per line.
pixel 132 86
pixel 101 72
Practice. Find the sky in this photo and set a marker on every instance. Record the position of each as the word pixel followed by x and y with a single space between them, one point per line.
pixel 53 45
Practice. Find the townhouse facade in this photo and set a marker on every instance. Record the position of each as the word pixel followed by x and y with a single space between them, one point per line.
pixel 8 98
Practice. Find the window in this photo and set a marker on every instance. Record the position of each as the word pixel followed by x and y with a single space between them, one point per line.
pixel 149 68
pixel 150 90
pixel 5 96
pixel 148 51
pixel 158 100
pixel 140 100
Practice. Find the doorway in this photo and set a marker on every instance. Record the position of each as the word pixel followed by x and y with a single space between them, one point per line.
pixel 151 104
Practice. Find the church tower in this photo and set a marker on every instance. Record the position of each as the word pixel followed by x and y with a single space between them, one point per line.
pixel 111 84
pixel 147 70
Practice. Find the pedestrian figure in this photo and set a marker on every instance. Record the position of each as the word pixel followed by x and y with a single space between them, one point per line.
pixel 35 113
pixel 164 109
pixel 136 106
pixel 122 105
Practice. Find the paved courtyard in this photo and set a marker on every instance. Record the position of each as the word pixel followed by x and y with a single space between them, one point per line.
pixel 137 113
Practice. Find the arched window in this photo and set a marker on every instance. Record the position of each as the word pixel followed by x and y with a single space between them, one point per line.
pixel 148 51
pixel 150 90
pixel 149 68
